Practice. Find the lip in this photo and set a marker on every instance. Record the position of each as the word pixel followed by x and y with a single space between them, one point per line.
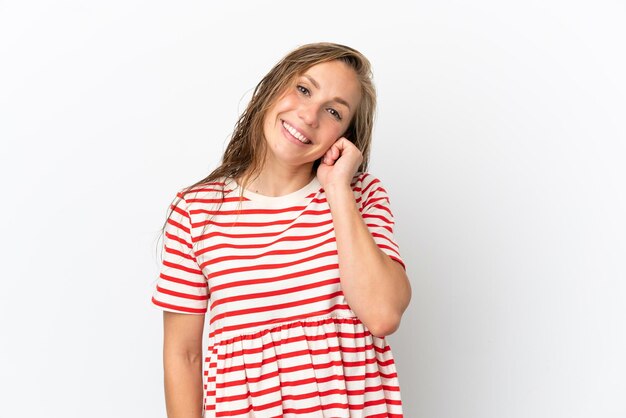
pixel 291 137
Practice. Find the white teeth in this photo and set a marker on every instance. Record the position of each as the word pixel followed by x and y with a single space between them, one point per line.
pixel 295 133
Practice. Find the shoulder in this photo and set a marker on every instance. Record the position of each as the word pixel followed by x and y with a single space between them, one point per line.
pixel 195 196
pixel 367 186
pixel 364 182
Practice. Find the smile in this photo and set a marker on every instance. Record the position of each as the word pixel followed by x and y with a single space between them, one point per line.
pixel 295 133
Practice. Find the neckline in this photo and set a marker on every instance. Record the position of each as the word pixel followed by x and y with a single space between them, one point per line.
pixel 294 197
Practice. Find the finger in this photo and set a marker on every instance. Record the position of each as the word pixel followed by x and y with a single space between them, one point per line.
pixel 336 151
pixel 343 142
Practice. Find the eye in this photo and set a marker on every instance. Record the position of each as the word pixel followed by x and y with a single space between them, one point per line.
pixel 302 89
pixel 336 114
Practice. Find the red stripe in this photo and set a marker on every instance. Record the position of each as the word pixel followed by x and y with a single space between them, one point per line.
pixel 270 266
pixel 216 288
pixel 282 356
pixel 301 410
pixel 178 308
pixel 264 224
pixel 324 200
pixel 247 394
pixel 181 267
pixel 370 184
pixel 232 199
pixel 376 216
pixel 365 404
pixel 181 295
pixel 258 224
pixel 275 292
pixel 238 327
pixel 252 211
pixel 316 393
pixel 275 307
pixel 398 260
pixel 174 252
pixel 382 236
pixel 383 208
pixel 393 250
pixel 273 252
pixel 282 371
pixel 279 233
pixel 371 203
pixel 321 395
pixel 172 237
pixel 234 412
pixel 380 226
pixel 182 281
pixel 237 224
pixel 182 213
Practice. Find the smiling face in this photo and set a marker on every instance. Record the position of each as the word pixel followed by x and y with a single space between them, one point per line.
pixel 311 114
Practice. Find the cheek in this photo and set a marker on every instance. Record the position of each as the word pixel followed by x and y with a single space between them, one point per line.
pixel 292 101
pixel 286 102
pixel 327 141
pixel 335 132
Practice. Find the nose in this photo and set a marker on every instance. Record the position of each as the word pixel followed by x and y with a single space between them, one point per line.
pixel 308 114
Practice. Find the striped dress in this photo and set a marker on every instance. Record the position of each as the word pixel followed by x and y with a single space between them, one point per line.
pixel 281 340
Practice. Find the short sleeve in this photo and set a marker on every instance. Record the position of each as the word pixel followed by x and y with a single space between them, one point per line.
pixel 377 214
pixel 181 285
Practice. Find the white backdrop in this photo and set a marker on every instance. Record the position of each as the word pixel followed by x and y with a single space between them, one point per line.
pixel 500 137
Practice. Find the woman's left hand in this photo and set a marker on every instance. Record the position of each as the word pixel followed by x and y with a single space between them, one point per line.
pixel 339 164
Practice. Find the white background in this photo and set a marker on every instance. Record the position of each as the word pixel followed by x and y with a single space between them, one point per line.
pixel 500 137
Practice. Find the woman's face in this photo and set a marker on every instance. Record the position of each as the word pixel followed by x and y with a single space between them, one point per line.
pixel 313 113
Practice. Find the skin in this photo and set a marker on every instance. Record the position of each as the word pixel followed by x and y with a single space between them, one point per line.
pixel 375 286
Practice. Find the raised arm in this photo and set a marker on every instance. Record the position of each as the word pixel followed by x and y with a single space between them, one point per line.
pixel 375 285
pixel 373 280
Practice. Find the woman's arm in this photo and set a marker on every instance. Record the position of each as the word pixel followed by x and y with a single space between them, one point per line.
pixel 182 364
pixel 375 286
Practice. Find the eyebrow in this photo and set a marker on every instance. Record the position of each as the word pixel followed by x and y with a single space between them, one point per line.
pixel 317 86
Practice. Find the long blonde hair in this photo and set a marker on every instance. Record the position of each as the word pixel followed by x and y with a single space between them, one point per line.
pixel 246 151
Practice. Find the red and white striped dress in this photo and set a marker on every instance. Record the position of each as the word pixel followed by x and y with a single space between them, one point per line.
pixel 281 340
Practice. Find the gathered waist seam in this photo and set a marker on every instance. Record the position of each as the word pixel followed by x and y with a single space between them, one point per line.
pixel 274 326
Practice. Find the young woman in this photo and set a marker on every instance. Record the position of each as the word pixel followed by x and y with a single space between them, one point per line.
pixel 288 246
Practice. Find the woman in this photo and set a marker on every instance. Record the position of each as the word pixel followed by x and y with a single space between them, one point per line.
pixel 289 247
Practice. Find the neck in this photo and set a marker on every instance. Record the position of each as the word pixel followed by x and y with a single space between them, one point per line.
pixel 273 182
